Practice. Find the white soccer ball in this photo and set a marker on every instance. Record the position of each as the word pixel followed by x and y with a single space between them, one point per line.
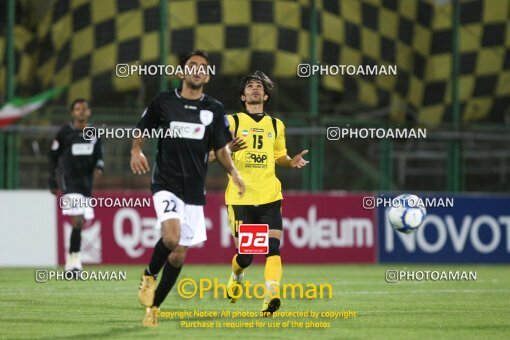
pixel 407 213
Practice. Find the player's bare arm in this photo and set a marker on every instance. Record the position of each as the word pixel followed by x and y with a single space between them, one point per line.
pixel 296 162
pixel 223 157
pixel 235 145
pixel 139 164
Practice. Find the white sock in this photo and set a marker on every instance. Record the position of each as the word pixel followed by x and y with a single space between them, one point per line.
pixel 239 277
pixel 69 264
pixel 76 260
pixel 273 289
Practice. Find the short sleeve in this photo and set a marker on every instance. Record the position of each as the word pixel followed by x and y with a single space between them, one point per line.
pixel 151 116
pixel 280 149
pixel 221 134
pixel 57 143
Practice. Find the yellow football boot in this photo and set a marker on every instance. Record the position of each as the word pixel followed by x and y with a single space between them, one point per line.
pixel 151 317
pixel 147 290
pixel 235 287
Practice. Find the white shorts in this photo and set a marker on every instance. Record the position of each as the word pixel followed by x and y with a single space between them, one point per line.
pixel 191 217
pixel 74 204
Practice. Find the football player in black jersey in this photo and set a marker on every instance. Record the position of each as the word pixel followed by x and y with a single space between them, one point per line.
pixel 81 159
pixel 178 178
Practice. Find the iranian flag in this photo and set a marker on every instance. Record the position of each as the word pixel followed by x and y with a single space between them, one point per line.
pixel 20 107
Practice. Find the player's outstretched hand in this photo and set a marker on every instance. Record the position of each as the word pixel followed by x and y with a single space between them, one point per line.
pixel 238 181
pixel 237 144
pixel 139 164
pixel 298 161
pixel 98 173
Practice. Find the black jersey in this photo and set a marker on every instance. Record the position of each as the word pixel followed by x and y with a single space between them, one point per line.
pixel 78 159
pixel 181 161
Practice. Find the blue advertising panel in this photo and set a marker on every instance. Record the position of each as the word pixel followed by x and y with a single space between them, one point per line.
pixel 466 228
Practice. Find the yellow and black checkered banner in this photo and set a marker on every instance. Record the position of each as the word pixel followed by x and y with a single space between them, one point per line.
pixel 81 41
pixel 416 36
pixel 24 56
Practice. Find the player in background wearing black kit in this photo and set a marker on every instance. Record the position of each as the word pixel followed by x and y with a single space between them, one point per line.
pixel 178 178
pixel 80 161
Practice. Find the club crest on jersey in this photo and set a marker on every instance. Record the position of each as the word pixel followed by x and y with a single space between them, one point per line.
pixel 206 117
pixel 245 133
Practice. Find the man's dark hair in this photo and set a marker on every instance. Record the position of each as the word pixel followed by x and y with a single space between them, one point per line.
pixel 79 100
pixel 199 53
pixel 267 83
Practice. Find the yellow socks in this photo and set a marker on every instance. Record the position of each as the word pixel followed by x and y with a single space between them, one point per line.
pixel 235 267
pixel 273 270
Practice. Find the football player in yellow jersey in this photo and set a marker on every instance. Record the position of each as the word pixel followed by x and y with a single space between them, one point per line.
pixel 256 158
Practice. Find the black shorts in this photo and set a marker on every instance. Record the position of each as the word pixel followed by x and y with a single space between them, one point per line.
pixel 269 213
pixel 77 185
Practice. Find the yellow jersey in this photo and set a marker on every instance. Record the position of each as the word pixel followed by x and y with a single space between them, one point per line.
pixel 265 141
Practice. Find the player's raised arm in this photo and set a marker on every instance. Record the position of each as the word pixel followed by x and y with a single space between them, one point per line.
pixel 235 145
pixel 296 162
pixel 280 151
pixel 223 157
pixel 221 138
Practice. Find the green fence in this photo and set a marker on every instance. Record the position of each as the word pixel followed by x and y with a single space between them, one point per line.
pixel 353 164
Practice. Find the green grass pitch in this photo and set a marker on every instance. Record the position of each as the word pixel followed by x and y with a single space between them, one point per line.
pixel 404 310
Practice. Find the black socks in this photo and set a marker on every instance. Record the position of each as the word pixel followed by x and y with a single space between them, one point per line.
pixel 159 257
pixel 75 243
pixel 169 276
